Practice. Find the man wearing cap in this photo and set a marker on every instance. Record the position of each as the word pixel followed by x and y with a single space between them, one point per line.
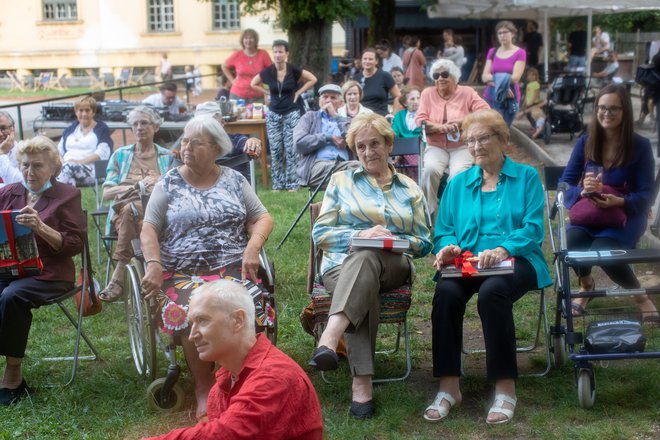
pixel 319 139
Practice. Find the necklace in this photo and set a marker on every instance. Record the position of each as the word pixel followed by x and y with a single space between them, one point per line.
pixel 32 199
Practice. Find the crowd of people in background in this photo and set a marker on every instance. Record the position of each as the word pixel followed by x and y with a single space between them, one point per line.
pixel 205 222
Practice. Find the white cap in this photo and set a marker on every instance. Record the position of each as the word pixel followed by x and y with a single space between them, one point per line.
pixel 208 108
pixel 332 88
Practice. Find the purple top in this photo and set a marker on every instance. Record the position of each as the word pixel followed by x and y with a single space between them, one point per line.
pixel 505 65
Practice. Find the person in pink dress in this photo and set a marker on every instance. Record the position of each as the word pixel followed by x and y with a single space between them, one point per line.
pixel 245 64
pixel 414 62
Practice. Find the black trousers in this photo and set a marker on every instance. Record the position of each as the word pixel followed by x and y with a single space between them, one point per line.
pixel 580 240
pixel 496 295
pixel 17 299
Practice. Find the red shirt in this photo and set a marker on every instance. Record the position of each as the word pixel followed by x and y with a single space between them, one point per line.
pixel 247 67
pixel 272 398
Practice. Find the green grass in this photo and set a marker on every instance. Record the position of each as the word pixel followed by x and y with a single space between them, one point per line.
pixel 107 399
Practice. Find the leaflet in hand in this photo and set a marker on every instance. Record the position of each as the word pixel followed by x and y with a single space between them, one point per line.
pixel 469 267
pixel 19 256
pixel 398 245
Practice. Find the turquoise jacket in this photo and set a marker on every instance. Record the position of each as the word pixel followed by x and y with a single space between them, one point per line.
pixel 520 214
pixel 119 166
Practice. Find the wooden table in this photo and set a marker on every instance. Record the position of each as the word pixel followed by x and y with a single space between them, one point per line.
pixel 257 128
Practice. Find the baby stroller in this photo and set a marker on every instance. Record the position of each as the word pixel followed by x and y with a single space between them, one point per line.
pixel 565 105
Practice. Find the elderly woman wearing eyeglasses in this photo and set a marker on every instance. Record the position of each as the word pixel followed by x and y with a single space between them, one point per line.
pixel 495 211
pixel 141 163
pixel 442 109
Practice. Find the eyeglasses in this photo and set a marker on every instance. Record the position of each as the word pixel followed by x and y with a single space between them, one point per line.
pixel 5 127
pixel 612 110
pixel 483 140
pixel 138 124
pixel 437 75
pixel 503 32
pixel 194 143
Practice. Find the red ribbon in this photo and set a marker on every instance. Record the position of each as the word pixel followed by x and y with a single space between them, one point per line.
pixel 388 244
pixel 30 262
pixel 462 262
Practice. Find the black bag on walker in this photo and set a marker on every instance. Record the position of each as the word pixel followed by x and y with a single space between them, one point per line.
pixel 620 336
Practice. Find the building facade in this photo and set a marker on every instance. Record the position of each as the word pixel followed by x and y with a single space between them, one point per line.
pixel 74 37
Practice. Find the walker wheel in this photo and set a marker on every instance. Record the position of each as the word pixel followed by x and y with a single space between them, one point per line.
pixel 558 349
pixel 586 388
pixel 174 400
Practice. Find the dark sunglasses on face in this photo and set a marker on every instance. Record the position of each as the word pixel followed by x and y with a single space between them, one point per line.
pixel 437 75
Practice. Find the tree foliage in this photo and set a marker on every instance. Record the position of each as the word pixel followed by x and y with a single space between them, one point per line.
pixel 296 12
pixel 644 21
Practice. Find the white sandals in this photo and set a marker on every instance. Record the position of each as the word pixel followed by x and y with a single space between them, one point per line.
pixel 437 406
pixel 498 407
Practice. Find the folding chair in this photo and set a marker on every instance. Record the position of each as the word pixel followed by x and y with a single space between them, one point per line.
pixel 16 83
pixel 124 78
pixel 57 83
pixel 94 81
pixel 43 82
pixel 411 146
pixel 394 307
pixel 88 287
pixel 100 172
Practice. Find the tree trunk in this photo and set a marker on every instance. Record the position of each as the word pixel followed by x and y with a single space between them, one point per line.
pixel 310 47
pixel 381 19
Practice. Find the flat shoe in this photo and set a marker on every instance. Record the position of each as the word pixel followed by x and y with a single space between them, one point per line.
pixel 112 292
pixel 324 359
pixel 437 406
pixel 498 408
pixel 363 411
pixel 10 396
pixel 577 310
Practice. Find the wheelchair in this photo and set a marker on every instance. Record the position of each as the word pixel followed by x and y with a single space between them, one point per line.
pixel 164 393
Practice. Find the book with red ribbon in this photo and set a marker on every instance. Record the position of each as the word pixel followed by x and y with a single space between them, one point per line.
pixel 19 256
pixel 398 245
pixel 466 265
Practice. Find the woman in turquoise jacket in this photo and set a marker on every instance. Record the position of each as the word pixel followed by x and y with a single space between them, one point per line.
pixel 494 210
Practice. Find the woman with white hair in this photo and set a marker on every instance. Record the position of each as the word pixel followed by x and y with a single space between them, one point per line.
pixel 203 222
pixel 442 109
pixel 140 163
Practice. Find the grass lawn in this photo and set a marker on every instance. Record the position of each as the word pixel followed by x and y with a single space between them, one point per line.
pixel 107 399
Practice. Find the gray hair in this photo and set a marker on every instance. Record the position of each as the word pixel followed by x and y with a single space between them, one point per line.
pixel 229 296
pixel 41 145
pixel 146 110
pixel 210 126
pixel 445 64
pixel 8 116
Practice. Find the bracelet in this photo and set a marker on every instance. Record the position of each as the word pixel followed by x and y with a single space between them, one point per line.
pixel 154 261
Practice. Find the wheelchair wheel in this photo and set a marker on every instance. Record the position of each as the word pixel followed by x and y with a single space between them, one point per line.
pixel 174 400
pixel 586 387
pixel 141 330
pixel 558 349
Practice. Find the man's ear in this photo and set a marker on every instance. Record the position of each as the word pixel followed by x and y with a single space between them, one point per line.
pixel 239 318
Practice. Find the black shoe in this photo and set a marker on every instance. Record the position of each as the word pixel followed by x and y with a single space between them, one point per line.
pixel 324 359
pixel 363 411
pixel 9 396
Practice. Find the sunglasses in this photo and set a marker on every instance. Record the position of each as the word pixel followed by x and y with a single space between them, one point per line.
pixel 437 75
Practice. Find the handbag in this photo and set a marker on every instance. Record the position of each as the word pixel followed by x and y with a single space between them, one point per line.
pixel 586 213
pixel 647 76
pixel 92 304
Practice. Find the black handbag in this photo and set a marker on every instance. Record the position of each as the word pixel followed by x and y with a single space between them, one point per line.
pixel 647 76
pixel 619 336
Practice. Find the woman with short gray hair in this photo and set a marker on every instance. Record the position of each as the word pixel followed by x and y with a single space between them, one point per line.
pixel 132 166
pixel 442 109
pixel 203 222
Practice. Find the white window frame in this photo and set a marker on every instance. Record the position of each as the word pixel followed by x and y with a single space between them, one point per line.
pixel 60 10
pixel 160 16
pixel 226 15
